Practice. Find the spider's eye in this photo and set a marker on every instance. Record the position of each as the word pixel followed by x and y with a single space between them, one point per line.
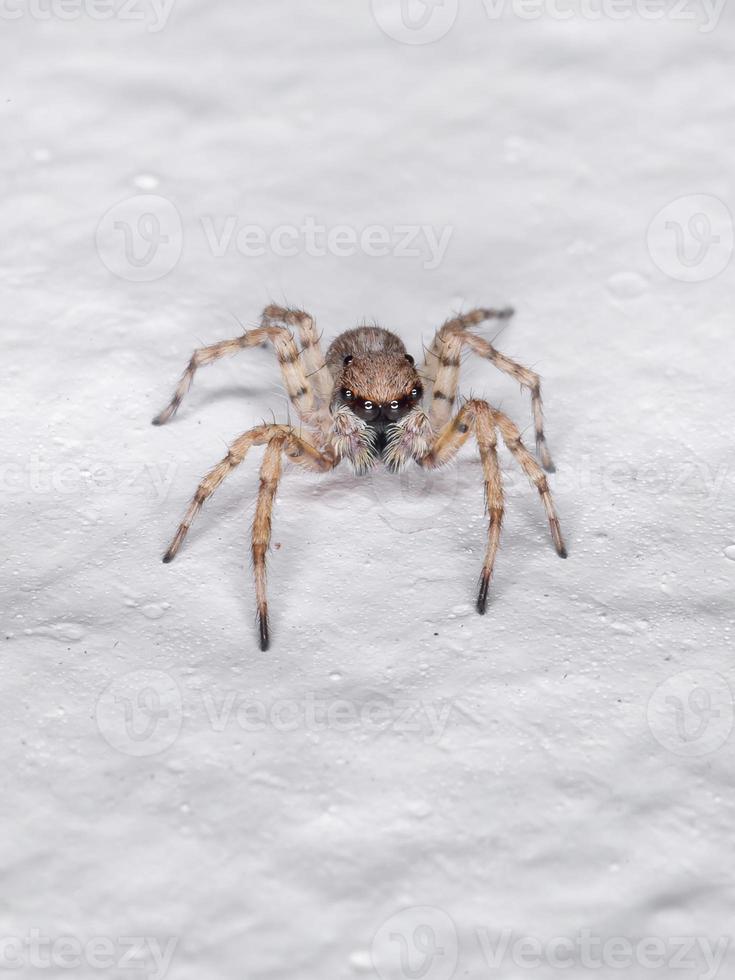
pixel 410 359
pixel 416 393
pixel 394 405
pixel 368 406
pixel 347 394
pixel 348 360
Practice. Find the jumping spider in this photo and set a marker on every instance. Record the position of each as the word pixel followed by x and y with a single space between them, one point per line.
pixel 368 403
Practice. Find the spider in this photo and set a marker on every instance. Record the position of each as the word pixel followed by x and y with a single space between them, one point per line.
pixel 368 403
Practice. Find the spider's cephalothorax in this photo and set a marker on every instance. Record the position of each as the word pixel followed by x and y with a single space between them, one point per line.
pixel 367 402
pixel 376 387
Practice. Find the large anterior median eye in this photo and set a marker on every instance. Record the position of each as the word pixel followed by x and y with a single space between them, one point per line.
pixel 347 394
pixel 395 410
pixel 367 410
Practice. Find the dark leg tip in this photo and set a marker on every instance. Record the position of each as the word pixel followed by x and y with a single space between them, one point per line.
pixel 562 552
pixel 264 634
pixel 482 594
pixel 168 558
pixel 506 313
pixel 157 421
pixel 549 467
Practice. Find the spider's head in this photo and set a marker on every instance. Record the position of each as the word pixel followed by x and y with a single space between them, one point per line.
pixel 379 389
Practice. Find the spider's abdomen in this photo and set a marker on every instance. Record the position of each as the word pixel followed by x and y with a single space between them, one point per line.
pixel 362 340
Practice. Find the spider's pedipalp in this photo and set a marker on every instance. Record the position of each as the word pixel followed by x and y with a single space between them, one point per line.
pixel 409 439
pixel 353 440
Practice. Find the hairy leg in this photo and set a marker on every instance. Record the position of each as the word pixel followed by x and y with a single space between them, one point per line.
pixel 475 418
pixel 443 360
pixel 311 350
pixel 478 418
pixel 526 378
pixel 270 474
pixel 512 439
pixel 298 387
pixel 297 448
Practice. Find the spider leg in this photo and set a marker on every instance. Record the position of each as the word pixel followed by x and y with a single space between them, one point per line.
pixel 297 448
pixel 440 369
pixel 512 439
pixel 304 454
pixel 270 474
pixel 447 348
pixel 311 349
pixel 478 418
pixel 298 386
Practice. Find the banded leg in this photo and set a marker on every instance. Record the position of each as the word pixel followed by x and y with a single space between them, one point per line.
pixel 298 449
pixel 476 417
pixel 270 474
pixel 487 441
pixel 311 349
pixel 525 377
pixel 512 439
pixel 298 387
pixel 444 359
pixel 479 418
